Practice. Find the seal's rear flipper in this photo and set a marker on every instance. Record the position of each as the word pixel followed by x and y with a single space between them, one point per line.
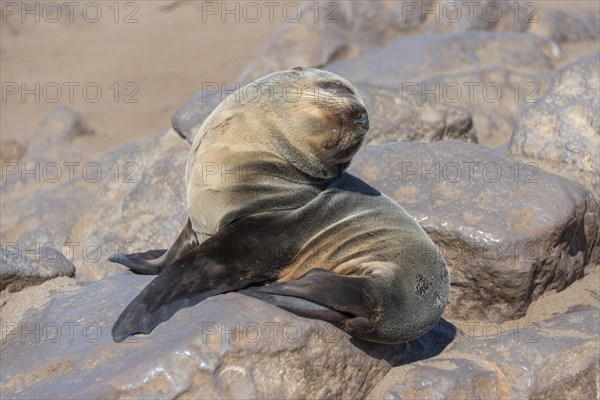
pixel 321 294
pixel 152 262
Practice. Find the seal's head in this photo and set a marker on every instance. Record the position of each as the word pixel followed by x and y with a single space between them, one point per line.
pixel 315 119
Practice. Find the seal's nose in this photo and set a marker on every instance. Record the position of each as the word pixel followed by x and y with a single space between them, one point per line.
pixel 363 120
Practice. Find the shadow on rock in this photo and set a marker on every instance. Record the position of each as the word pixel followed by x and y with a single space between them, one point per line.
pixel 429 345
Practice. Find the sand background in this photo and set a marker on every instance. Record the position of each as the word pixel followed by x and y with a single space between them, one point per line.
pixel 154 53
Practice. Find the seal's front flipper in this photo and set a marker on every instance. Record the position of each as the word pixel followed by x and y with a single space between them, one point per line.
pixel 152 262
pixel 193 279
pixel 140 263
pixel 321 294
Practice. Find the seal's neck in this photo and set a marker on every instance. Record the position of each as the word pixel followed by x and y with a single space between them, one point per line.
pixel 308 169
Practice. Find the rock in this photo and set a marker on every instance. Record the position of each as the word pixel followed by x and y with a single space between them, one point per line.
pixel 329 31
pixel 144 209
pixel 229 346
pixel 38 211
pixel 567 25
pixel 187 119
pixel 53 141
pixel 11 151
pixel 334 30
pixel 18 271
pixel 395 115
pixel 554 359
pixel 65 123
pixel 508 231
pixel 52 144
pixel 61 186
pixel 562 131
pixel 492 75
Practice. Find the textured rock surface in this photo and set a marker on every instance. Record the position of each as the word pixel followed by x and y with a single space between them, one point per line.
pixel 57 132
pixel 568 26
pixel 188 118
pixel 143 211
pixel 556 359
pixel 53 181
pixel 341 29
pixel 18 270
pixel 562 131
pixel 508 230
pixel 493 75
pixel 395 115
pixel 56 185
pixel 228 346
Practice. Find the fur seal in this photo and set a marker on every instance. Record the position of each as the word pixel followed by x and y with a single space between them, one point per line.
pixel 274 215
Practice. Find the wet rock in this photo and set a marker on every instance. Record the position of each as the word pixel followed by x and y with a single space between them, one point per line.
pixel 508 230
pixel 11 151
pixel 229 346
pixel 562 131
pixel 18 270
pixel 144 209
pixel 492 75
pixel 395 115
pixel 554 359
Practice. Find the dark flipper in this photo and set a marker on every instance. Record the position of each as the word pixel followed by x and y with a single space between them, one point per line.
pixel 154 261
pixel 321 294
pixel 140 263
pixel 220 264
pixel 194 279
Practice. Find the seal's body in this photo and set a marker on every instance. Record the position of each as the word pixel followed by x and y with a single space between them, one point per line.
pixel 273 215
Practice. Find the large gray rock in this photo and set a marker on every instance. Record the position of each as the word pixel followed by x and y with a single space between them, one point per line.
pixel 187 118
pixel 229 346
pixel 508 231
pixel 394 116
pixel 568 25
pixel 328 31
pixel 56 184
pixel 18 270
pixel 492 75
pixel 562 131
pixel 51 183
pixel 144 210
pixel 333 30
pixel 554 359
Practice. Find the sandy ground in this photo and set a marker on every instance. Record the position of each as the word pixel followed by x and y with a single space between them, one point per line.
pixel 151 61
pixel 146 57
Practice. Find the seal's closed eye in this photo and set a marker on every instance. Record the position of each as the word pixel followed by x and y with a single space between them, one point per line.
pixel 337 86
